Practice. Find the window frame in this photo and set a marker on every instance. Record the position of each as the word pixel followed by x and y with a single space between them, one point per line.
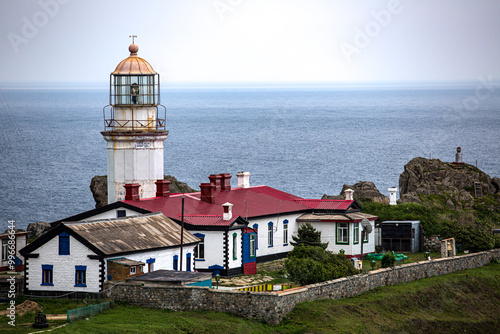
pixel 285 232
pixel 47 275
pixel 200 247
pixel 270 234
pixel 235 246
pixel 5 249
pixel 338 233
pixel 80 276
pixel 355 234
pixel 133 270
pixel 252 243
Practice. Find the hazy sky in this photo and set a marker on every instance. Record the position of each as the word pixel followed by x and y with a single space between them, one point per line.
pixel 253 40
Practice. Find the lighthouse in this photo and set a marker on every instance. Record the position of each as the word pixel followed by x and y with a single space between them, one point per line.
pixel 134 127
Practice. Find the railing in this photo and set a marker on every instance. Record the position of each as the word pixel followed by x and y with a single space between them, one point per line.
pixel 112 124
pixel 88 311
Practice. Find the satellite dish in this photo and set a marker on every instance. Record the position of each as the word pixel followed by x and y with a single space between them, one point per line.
pixel 366 225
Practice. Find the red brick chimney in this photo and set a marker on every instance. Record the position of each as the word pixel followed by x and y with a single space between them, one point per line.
pixel 132 192
pixel 215 180
pixel 208 192
pixel 225 182
pixel 162 188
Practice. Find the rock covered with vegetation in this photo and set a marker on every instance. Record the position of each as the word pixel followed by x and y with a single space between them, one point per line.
pixel 425 177
pixel 99 188
pixel 363 191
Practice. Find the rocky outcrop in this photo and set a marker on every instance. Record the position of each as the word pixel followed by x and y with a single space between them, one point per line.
pixel 364 191
pixel 36 230
pixel 423 176
pixel 99 188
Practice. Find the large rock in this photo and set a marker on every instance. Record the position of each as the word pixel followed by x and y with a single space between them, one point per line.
pixel 423 176
pixel 36 230
pixel 364 191
pixel 99 188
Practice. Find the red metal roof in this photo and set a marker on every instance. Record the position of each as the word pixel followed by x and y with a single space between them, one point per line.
pixel 247 202
pixel 201 220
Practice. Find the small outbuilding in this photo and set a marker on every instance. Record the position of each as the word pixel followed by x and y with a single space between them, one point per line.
pixel 401 236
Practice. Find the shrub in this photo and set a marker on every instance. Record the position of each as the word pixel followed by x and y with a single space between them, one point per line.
pixel 388 260
pixel 308 235
pixel 313 264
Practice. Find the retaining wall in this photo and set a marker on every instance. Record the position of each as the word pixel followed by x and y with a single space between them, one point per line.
pixel 274 306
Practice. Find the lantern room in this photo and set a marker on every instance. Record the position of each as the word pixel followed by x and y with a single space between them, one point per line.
pixel 134 82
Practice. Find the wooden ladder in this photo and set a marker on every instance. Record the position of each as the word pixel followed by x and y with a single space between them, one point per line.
pixel 478 190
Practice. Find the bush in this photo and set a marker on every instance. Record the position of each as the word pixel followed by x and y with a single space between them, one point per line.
pixel 469 238
pixel 388 260
pixel 313 264
pixel 308 235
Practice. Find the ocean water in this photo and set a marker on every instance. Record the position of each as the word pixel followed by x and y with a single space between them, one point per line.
pixel 306 141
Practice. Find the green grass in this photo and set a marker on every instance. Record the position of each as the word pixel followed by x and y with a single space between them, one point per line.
pixel 49 306
pixel 466 301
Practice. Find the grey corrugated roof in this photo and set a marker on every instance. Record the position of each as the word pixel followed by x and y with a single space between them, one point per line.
pixel 127 262
pixel 133 234
pixel 332 217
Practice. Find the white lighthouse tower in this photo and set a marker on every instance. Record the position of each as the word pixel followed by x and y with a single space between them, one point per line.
pixel 134 128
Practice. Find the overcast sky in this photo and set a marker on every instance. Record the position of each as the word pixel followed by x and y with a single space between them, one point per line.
pixel 206 41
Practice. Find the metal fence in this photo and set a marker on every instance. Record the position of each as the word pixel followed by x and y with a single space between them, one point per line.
pixel 88 311
pixel 266 287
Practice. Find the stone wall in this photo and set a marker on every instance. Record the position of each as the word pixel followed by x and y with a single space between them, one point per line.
pixel 274 306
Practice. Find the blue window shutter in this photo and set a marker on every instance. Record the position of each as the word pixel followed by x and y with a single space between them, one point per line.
pixel 64 243
pixel 256 228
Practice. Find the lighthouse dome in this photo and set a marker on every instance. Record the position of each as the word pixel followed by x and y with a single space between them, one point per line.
pixel 133 65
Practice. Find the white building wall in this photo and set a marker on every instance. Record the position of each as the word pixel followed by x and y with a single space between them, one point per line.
pixel 214 249
pixel 63 267
pixel 108 215
pixel 328 234
pixel 235 262
pixel 278 245
pixel 164 258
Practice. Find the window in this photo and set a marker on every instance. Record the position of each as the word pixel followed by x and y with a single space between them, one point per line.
pixel 199 250
pixel 176 262
pixel 256 229
pixel 81 276
pixel 64 243
pixel 121 213
pixel 355 233
pixel 235 246
pixel 188 262
pixel 252 245
pixel 5 249
pixel 132 270
pixel 285 232
pixel 342 233
pixel 365 238
pixel 270 234
pixel 47 274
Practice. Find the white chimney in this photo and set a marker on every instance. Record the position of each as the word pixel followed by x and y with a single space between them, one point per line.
pixel 228 211
pixel 348 194
pixel 243 179
pixel 392 195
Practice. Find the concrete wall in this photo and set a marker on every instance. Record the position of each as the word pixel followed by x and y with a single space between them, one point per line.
pixel 274 306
